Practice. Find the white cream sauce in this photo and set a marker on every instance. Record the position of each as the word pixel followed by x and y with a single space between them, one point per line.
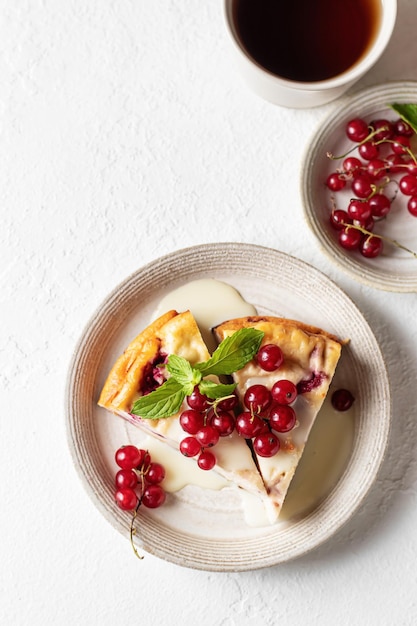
pixel 210 301
pixel 324 460
pixel 181 471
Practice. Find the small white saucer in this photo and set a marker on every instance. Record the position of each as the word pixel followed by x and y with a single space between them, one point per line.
pixel 395 269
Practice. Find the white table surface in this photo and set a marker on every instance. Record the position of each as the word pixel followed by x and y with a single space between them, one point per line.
pixel 126 134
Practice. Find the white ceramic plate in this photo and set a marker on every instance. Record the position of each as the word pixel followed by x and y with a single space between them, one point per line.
pixel 205 529
pixel 394 270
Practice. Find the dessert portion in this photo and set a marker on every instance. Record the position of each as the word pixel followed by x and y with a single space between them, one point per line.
pixel 282 391
pixel 252 431
pixel 142 368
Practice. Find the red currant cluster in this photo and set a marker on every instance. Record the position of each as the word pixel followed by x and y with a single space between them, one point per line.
pixel 205 422
pixel 383 155
pixel 138 480
pixel 265 411
pixel 268 412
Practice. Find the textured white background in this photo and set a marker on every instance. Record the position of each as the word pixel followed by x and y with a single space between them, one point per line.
pixel 125 134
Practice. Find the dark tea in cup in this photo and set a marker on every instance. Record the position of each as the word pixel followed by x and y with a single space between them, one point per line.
pixel 306 40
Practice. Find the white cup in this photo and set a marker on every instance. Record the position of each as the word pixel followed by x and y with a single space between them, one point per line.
pixel 296 94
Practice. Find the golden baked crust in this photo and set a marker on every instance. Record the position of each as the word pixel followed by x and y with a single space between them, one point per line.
pixel 273 324
pixel 306 348
pixel 125 378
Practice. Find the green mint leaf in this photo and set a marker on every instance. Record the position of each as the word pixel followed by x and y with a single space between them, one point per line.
pixel 232 353
pixel 183 372
pixel 215 391
pixel 408 112
pixel 165 401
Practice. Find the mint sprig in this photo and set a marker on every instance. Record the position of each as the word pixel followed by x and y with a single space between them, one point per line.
pixel 182 371
pixel 408 112
pixel 214 391
pixel 232 353
pixel 163 402
pixel 230 356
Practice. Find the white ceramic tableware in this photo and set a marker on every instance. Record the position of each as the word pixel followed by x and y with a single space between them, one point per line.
pixel 296 94
pixel 205 529
pixel 395 269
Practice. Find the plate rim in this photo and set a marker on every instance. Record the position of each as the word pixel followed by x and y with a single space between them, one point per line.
pixel 86 473
pixel 351 266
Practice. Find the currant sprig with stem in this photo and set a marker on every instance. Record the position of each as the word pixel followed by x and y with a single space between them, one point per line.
pixel 205 421
pixel 364 231
pixel 372 134
pixel 406 149
pixel 219 402
pixel 386 140
pixel 137 482
pixel 369 174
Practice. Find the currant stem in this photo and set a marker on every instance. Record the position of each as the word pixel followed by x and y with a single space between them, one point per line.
pixel 405 148
pixel 367 138
pixel 135 513
pixel 217 401
pixel 133 531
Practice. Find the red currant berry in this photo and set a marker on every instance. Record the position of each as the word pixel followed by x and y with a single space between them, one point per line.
pixel 379 204
pixel 368 224
pixel 228 403
pixel 412 205
pixel 411 166
pixel 266 444
pixel 248 425
pixel 357 130
pixel 351 165
pixel 376 169
pixel 207 436
pixel 190 446
pixel 270 357
pixel 284 392
pixel 342 399
pixel 153 496
pixel 395 163
pixel 129 457
pixel 401 144
pixel 126 499
pixel 350 238
pixel 223 422
pixel 126 479
pixel 408 185
pixel 368 150
pixel 339 219
pixel 191 421
pixel 198 401
pixel 362 185
pixel 155 473
pixel 402 128
pixel 257 397
pixel 336 181
pixel 371 246
pixel 359 209
pixel 206 460
pixel 384 128
pixel 282 418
